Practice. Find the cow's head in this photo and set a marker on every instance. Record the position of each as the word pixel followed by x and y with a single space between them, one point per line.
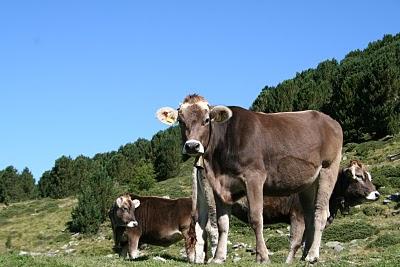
pixel 125 211
pixel 358 183
pixel 195 117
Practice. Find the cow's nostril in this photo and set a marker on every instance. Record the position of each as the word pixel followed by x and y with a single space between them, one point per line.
pixel 197 146
pixel 377 194
pixel 187 146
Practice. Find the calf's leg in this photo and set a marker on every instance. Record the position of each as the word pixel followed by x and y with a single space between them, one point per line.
pixel 133 243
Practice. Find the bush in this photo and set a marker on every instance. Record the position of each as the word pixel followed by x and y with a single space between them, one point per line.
pixel 388 176
pixel 143 177
pixel 349 231
pixel 373 210
pixel 8 243
pixel 363 149
pixel 349 147
pixel 93 202
pixel 384 241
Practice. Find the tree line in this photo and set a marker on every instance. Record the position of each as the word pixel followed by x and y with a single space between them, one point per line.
pixel 15 186
pixel 361 91
pixel 135 167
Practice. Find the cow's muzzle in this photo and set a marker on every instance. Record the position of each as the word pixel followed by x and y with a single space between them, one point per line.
pixel 374 195
pixel 193 148
pixel 132 224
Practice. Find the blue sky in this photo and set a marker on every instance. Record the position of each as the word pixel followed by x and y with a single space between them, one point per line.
pixel 83 77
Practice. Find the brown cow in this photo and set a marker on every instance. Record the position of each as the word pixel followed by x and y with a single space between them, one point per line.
pixel 246 153
pixel 151 220
pixel 353 186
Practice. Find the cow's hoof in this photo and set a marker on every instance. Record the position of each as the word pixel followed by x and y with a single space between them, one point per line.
pixel 289 261
pixel 263 260
pixel 218 260
pixel 134 255
pixel 311 259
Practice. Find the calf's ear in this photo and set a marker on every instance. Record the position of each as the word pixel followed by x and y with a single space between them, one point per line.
pixel 167 115
pixel 220 114
pixel 136 203
pixel 119 202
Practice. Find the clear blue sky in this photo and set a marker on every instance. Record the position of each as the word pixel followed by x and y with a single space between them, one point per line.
pixel 83 77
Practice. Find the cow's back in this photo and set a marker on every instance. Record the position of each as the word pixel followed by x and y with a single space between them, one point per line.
pixel 290 146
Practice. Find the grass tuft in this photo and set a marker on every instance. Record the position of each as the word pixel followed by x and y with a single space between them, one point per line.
pixel 385 240
pixel 345 232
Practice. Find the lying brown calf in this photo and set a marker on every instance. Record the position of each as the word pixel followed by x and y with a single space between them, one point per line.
pixel 353 186
pixel 151 220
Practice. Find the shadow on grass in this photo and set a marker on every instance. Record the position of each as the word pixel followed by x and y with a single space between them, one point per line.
pixel 173 258
pixel 163 255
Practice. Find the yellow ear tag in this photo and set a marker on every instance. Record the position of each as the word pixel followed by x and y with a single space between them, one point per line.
pixel 170 120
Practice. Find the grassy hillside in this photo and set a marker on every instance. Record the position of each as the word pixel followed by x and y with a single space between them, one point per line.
pixel 34 233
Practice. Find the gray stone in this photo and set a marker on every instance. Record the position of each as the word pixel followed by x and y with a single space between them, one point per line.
pixel 239 245
pixel 158 258
pixel 335 245
pixel 236 259
pixel 70 250
pixel 33 254
pixel 23 253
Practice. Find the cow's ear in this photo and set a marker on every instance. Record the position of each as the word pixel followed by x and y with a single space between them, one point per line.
pixel 220 114
pixel 119 202
pixel 136 203
pixel 348 174
pixel 369 176
pixel 167 115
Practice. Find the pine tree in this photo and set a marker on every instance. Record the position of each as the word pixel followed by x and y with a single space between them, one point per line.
pixel 167 146
pixel 94 199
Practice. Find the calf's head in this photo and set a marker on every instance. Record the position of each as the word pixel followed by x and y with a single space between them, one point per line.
pixel 124 211
pixel 357 183
pixel 195 117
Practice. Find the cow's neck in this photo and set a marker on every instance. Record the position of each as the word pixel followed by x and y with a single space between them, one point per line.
pixel 216 163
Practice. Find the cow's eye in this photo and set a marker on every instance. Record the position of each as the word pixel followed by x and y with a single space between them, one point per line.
pixel 125 209
pixel 206 121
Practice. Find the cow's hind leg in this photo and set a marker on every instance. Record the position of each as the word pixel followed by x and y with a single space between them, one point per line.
pixel 255 197
pixel 326 183
pixel 307 200
pixel 296 235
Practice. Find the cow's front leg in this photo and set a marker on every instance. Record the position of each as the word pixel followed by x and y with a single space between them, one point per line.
pixel 223 213
pixel 133 243
pixel 255 197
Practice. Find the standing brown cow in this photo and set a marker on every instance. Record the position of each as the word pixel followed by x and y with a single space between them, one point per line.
pixel 151 220
pixel 246 153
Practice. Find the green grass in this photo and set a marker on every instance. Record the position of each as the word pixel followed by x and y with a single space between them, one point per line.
pixel 369 234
